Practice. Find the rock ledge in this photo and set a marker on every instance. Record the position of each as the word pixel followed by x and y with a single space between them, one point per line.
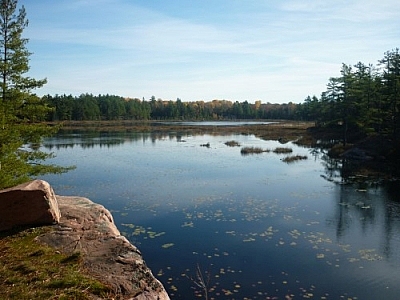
pixel 85 227
pixel 88 228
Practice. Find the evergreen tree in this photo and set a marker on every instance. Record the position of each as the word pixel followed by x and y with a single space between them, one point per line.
pixel 20 109
pixel 391 90
pixel 364 100
pixel 14 63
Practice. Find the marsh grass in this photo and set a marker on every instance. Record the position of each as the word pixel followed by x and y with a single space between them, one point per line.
pixel 290 130
pixel 252 150
pixel 293 158
pixel 282 150
pixel 29 270
pixel 232 144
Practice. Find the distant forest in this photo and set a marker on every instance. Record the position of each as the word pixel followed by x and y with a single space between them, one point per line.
pixel 365 97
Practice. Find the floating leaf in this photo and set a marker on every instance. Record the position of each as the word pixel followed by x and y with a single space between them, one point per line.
pixel 128 225
pixel 249 240
pixel 369 254
pixel 188 224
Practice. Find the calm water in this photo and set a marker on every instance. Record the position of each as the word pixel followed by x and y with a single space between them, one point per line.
pixel 256 227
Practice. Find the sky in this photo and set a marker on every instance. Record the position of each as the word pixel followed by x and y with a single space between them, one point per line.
pixel 275 51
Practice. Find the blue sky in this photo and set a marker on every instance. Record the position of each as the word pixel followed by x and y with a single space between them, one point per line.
pixel 273 51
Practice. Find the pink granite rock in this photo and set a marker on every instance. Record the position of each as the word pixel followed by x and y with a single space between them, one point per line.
pixel 31 203
pixel 84 227
pixel 88 228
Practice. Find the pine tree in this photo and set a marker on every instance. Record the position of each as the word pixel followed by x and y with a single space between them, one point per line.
pixel 20 109
pixel 391 90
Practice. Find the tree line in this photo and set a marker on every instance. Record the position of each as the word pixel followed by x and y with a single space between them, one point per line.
pixel 111 107
pixel 364 97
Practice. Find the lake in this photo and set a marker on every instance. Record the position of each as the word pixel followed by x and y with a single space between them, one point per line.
pixel 254 226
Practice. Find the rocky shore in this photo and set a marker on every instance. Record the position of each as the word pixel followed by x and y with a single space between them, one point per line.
pixel 80 225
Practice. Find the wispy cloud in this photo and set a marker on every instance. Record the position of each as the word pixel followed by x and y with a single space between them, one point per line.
pixel 280 52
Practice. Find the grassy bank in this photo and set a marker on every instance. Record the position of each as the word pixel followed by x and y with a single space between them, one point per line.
pixel 29 270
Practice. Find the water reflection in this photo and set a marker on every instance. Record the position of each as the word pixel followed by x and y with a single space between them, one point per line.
pixel 261 227
pixel 364 216
pixel 215 123
pixel 70 139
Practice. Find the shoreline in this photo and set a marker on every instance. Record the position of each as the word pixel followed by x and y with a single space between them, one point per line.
pixel 382 161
